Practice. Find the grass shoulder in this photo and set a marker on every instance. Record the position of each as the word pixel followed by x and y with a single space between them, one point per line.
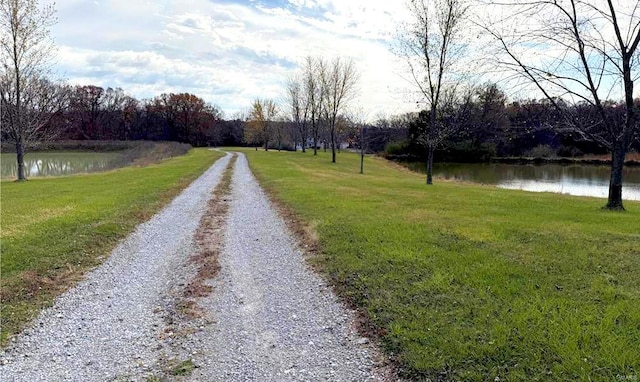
pixel 471 282
pixel 55 229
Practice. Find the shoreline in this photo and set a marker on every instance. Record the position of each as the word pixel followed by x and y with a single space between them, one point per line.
pixel 561 161
pixel 527 160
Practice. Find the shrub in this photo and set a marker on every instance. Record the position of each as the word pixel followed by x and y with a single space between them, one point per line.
pixel 396 148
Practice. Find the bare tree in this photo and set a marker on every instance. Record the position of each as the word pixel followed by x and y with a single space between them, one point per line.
pixel 339 80
pixel 29 99
pixel 313 93
pixel 431 46
pixel 577 52
pixel 299 108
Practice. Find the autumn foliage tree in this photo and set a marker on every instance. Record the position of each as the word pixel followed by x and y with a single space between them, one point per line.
pixel 187 118
pixel 260 128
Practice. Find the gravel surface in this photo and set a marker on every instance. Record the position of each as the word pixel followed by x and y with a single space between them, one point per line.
pixel 108 327
pixel 276 320
pixel 269 318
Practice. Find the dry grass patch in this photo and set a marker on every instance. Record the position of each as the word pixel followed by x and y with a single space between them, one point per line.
pixel 209 242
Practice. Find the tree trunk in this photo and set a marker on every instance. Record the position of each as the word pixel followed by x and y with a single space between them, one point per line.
pixel 333 146
pixel 361 150
pixel 20 159
pixel 620 145
pixel 315 144
pixel 303 138
pixel 18 119
pixel 615 184
pixel 430 165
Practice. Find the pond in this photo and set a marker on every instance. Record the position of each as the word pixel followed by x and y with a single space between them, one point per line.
pixel 39 164
pixel 582 180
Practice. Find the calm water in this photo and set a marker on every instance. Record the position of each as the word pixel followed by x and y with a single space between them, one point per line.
pixel 57 163
pixel 580 180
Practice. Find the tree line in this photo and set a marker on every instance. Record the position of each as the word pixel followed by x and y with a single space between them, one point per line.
pixel 94 113
pixel 89 112
pixel 484 125
pixel 315 107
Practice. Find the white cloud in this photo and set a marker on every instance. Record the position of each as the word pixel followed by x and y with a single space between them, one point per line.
pixel 227 53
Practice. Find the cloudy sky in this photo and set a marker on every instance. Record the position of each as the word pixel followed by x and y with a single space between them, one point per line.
pixel 229 51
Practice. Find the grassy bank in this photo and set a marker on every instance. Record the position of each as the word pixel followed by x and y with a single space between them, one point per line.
pixel 467 282
pixel 98 146
pixel 54 229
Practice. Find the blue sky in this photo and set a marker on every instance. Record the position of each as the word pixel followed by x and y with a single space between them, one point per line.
pixel 229 52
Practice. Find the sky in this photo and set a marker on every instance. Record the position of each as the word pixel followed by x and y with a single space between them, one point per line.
pixel 230 52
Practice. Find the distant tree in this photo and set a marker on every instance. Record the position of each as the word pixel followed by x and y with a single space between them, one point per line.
pixel 454 112
pixel 280 133
pixel 132 117
pixel 431 46
pixel 209 132
pixel 387 130
pixel 260 126
pixel 576 52
pixel 344 131
pixel 339 79
pixel 112 122
pixel 299 108
pixel 186 117
pixel 231 130
pixel 313 90
pixel 192 118
pixel 292 134
pixel 86 108
pixel 485 127
pixel 157 120
pixel 531 123
pixel 491 116
pixel 29 98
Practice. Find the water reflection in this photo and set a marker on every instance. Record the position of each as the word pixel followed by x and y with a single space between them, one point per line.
pixel 581 180
pixel 58 163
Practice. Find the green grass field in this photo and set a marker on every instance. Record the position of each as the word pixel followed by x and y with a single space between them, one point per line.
pixel 468 282
pixel 54 229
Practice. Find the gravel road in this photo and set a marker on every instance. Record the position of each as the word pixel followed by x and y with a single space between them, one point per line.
pixel 276 319
pixel 107 327
pixel 269 318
